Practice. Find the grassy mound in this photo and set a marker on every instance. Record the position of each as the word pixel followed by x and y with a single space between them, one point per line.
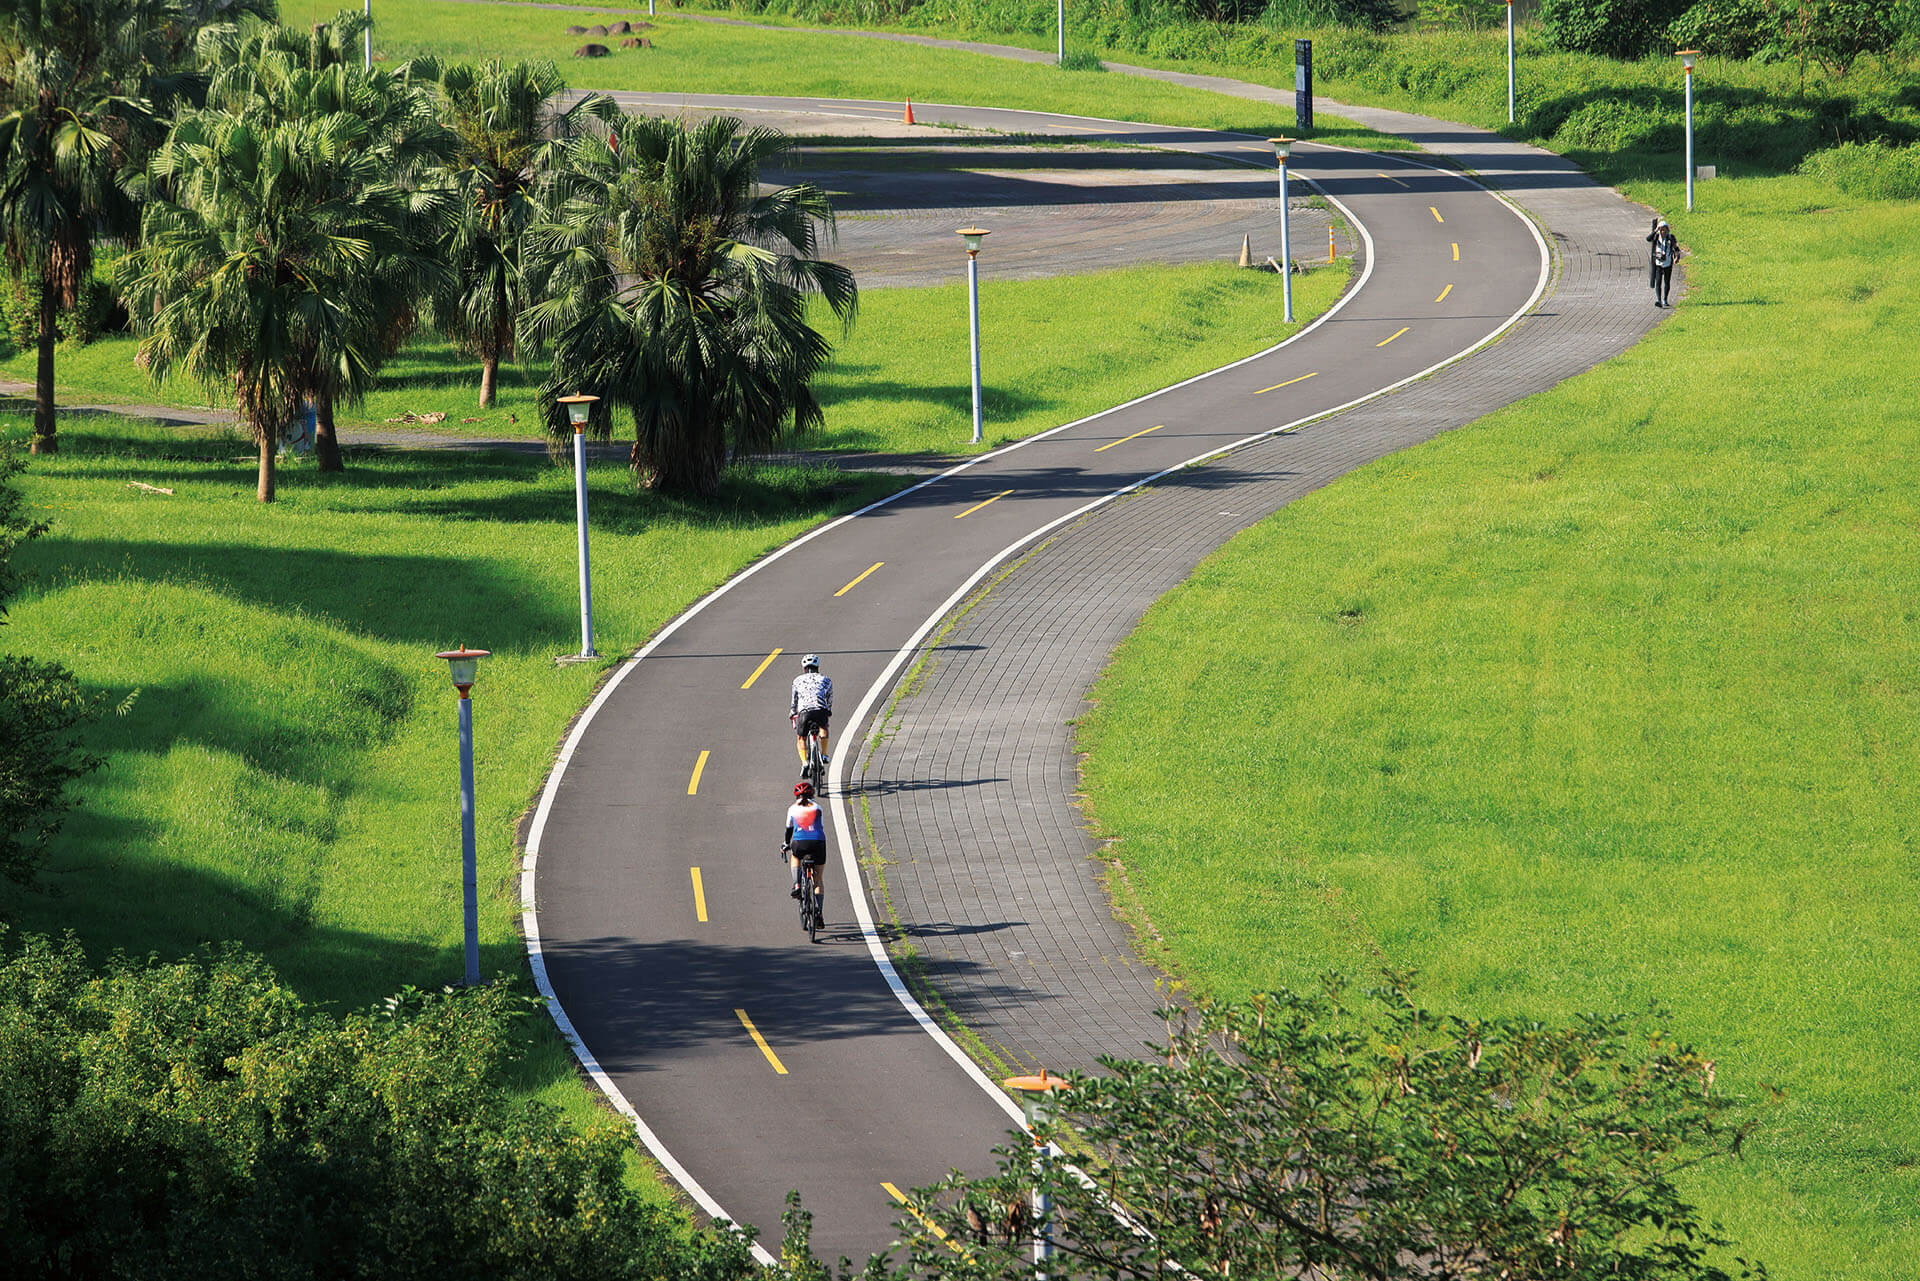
pixel 1605 698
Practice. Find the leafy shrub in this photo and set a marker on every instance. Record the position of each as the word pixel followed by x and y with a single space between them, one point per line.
pixel 1610 28
pixel 1873 170
pixel 196 1120
pixel 1726 28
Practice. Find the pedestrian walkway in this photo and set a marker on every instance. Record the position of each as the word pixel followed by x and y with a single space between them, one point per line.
pixel 1013 929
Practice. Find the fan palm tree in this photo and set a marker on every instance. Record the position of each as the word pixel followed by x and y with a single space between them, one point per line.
pixel 512 139
pixel 265 253
pixel 675 289
pixel 275 75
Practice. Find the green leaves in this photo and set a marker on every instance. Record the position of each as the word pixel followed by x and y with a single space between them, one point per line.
pixel 1346 1136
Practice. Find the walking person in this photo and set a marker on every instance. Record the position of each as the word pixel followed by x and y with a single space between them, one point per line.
pixel 1666 250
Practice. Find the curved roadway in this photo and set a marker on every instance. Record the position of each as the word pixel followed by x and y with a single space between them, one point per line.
pixel 752 1062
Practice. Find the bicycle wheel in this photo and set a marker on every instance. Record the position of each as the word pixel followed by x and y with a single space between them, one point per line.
pixel 816 768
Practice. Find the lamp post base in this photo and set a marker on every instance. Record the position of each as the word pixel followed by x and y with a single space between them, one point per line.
pixel 567 660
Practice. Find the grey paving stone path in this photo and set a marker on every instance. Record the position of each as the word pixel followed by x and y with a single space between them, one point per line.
pixel 989 871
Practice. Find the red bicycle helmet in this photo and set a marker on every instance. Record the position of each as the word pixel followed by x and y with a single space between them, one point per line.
pixel 802 790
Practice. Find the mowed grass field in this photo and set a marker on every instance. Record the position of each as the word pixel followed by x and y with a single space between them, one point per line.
pixel 1051 351
pixel 1609 698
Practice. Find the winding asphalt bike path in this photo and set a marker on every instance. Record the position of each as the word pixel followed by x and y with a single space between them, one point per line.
pixel 657 914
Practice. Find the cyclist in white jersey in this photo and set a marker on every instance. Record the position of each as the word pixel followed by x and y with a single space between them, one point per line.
pixel 812 708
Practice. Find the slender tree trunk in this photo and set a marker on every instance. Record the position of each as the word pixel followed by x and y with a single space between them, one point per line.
pixel 489 379
pixel 268 444
pixel 326 444
pixel 44 439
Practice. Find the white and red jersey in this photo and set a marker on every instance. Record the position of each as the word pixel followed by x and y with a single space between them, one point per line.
pixel 806 824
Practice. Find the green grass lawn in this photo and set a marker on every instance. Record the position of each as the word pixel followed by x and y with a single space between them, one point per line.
pixel 1052 350
pixel 1606 698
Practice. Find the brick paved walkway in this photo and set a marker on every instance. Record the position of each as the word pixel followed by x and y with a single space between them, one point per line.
pixel 1010 919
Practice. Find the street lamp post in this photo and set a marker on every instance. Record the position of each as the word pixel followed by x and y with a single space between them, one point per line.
pixel 368 35
pixel 578 409
pixel 1686 57
pixel 1036 1100
pixel 1060 32
pixel 973 236
pixel 1509 61
pixel 463 664
pixel 1282 147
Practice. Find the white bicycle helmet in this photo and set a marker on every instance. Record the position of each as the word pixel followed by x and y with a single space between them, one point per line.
pixel 811 663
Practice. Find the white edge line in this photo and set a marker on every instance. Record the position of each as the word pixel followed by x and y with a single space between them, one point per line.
pixel 529 915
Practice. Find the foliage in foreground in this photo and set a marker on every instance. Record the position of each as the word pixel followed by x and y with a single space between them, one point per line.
pixel 1336 1137
pixel 195 1119
pixel 40 706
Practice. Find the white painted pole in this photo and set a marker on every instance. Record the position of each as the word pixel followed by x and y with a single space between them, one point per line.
pixel 368 35
pixel 580 519
pixel 1689 139
pixel 973 331
pixel 469 882
pixel 1509 61
pixel 1060 30
pixel 1286 248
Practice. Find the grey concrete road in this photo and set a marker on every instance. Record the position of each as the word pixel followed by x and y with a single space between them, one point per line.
pixel 657 912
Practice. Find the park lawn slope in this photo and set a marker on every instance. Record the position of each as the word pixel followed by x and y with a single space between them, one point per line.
pixel 1052 351
pixel 1607 698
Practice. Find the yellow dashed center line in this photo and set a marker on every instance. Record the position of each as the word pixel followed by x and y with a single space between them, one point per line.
pixel 1456 251
pixel 1390 178
pixel 761 1041
pixel 699 896
pixel 699 767
pixel 1124 439
pixel 925 1222
pixel 1444 293
pixel 856 582
pixel 1290 382
pixel 1435 213
pixel 1389 338
pixel 977 506
pixel 765 663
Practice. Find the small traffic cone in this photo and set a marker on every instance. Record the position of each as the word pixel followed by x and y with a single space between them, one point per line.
pixel 1246 250
pixel 909 115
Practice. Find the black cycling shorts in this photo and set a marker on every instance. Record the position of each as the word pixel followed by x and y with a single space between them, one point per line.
pixel 817 718
pixel 814 852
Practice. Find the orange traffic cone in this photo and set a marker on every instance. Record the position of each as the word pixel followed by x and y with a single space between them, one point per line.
pixel 909 115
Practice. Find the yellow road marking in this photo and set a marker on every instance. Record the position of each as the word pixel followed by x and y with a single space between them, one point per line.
pixel 761 1041
pixel 699 896
pixel 1290 382
pixel 1444 293
pixel 1384 341
pixel 1435 213
pixel 765 663
pixel 699 766
pixel 1124 439
pixel 1390 178
pixel 927 1223
pixel 977 506
pixel 1456 251
pixel 856 582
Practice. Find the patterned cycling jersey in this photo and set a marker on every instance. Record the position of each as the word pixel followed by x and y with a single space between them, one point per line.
pixel 806 824
pixel 812 692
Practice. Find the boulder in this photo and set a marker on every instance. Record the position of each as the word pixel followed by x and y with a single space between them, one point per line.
pixel 576 31
pixel 620 28
pixel 631 42
pixel 592 51
pixel 596 30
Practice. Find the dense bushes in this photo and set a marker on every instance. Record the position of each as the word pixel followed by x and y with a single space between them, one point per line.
pixel 1872 170
pixel 1610 28
pixel 196 1120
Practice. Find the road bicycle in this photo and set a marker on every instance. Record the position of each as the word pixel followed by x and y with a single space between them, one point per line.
pixel 816 764
pixel 813 896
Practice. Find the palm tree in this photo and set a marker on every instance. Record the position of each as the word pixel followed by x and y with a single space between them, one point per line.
pixel 672 288
pixel 511 142
pixel 277 75
pixel 263 254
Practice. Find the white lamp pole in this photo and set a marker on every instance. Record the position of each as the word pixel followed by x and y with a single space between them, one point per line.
pixel 1060 32
pixel 1686 57
pixel 1509 61
pixel 368 34
pixel 463 664
pixel 973 236
pixel 1036 1100
pixel 1282 147
pixel 578 409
